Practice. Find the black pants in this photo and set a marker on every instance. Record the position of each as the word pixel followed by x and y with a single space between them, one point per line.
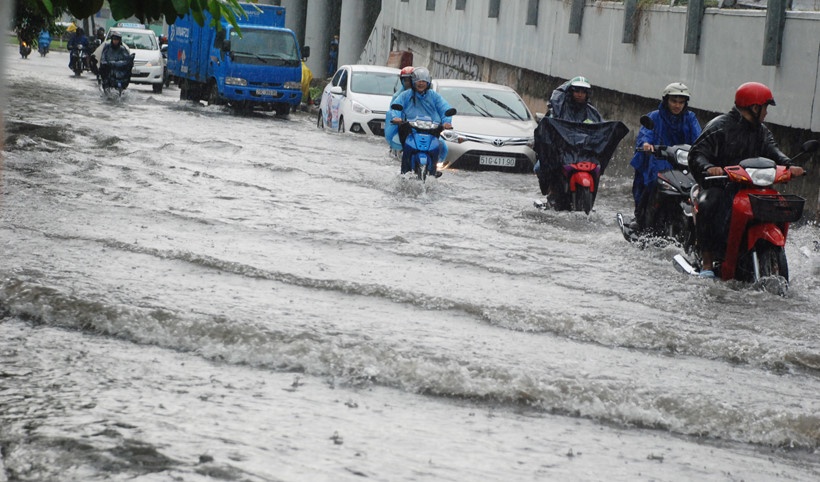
pixel 712 221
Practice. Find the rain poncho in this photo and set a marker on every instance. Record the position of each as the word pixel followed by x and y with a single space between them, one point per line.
pixel 563 107
pixel 560 143
pixel 670 130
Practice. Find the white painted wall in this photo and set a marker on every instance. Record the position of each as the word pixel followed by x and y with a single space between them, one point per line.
pixel 731 49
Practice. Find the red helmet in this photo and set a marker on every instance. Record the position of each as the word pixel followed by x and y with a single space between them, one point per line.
pixel 406 72
pixel 753 93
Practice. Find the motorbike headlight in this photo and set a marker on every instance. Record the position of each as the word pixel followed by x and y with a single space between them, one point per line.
pixel 682 157
pixel 762 177
pixel 236 81
pixel 359 108
pixel 293 85
pixel 424 124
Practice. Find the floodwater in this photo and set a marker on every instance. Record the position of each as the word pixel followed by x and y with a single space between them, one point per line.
pixel 187 294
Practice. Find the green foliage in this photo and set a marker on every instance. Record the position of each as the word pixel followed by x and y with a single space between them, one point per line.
pixel 32 15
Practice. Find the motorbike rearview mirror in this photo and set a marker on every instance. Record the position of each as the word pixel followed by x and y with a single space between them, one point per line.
pixel 810 146
pixel 450 112
pixel 397 107
pixel 647 122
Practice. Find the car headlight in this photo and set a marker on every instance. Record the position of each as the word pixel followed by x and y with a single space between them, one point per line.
pixel 236 81
pixel 762 177
pixel 531 142
pixel 293 85
pixel 359 108
pixel 452 136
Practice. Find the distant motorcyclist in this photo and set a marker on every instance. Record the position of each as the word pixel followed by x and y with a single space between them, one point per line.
pixel 80 39
pixel 43 42
pixel 391 130
pixel 570 101
pixel 115 60
pixel 420 101
pixel 727 140
pixel 674 124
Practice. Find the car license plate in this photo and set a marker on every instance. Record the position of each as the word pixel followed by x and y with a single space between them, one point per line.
pixel 266 92
pixel 497 161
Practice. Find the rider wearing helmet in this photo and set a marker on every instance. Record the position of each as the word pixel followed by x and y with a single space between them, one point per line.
pixel 80 39
pixel 420 101
pixel 674 124
pixel 570 101
pixel 727 140
pixel 391 130
pixel 115 55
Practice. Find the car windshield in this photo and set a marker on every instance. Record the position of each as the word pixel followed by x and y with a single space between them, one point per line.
pixel 375 83
pixel 139 40
pixel 485 102
pixel 264 47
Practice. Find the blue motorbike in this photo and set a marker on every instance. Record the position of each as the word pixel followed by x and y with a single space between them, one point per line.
pixel 421 145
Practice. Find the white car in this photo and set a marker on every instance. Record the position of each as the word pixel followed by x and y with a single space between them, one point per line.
pixel 492 130
pixel 148 61
pixel 357 99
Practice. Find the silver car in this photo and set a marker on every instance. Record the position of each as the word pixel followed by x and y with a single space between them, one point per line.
pixel 493 129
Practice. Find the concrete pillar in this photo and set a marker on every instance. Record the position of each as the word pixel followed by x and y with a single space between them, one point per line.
pixel 318 35
pixel 353 30
pixel 295 18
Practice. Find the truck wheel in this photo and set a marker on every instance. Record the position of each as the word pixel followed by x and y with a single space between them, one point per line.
pixel 157 88
pixel 213 95
pixel 183 89
pixel 282 109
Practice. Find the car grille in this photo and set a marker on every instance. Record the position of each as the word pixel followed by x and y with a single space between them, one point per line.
pixel 375 127
pixel 470 160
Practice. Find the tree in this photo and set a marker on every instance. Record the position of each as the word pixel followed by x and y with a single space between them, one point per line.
pixel 33 15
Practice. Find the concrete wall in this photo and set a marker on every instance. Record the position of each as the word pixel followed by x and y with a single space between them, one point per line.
pixel 731 49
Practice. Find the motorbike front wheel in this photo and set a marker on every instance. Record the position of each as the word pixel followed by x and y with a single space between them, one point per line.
pixel 772 262
pixel 582 199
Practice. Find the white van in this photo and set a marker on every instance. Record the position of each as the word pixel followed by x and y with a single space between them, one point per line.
pixel 148 61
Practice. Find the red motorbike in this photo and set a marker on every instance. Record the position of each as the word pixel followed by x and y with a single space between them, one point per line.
pixel 759 222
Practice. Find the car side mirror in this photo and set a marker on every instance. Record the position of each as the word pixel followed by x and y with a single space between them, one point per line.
pixel 397 107
pixel 647 122
pixel 226 46
pixel 305 52
pixel 337 89
pixel 450 112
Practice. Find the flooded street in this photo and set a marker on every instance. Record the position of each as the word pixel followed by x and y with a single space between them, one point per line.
pixel 188 294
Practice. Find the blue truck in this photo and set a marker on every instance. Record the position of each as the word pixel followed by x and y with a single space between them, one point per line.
pixel 258 67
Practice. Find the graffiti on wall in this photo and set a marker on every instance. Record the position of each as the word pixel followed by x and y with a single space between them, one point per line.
pixel 375 51
pixel 450 64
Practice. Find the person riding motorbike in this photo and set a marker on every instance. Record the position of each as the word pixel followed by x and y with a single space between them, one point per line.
pixel 416 102
pixel 115 61
pixel 391 131
pixel 674 124
pixel 728 139
pixel 78 38
pixel 569 102
pixel 44 42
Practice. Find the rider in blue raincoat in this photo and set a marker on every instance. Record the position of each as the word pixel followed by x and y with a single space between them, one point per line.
pixel 421 101
pixel 674 124
pixel 391 130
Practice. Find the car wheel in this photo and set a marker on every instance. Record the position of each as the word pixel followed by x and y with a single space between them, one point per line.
pixel 157 88
pixel 320 120
pixel 341 124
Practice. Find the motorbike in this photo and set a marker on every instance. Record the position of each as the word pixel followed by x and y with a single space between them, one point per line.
pixel 423 143
pixel 669 212
pixel 115 75
pixel 25 49
pixel 572 157
pixel 758 225
pixel 42 48
pixel 79 60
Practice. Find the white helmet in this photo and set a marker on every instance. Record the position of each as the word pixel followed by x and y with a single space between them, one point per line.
pixel 580 82
pixel 676 88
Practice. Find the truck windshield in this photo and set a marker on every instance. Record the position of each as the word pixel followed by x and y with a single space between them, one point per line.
pixel 375 83
pixel 264 47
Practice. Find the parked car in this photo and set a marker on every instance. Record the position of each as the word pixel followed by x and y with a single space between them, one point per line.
pixel 357 99
pixel 493 129
pixel 149 64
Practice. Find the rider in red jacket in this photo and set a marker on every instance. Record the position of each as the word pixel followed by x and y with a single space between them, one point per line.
pixel 727 140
